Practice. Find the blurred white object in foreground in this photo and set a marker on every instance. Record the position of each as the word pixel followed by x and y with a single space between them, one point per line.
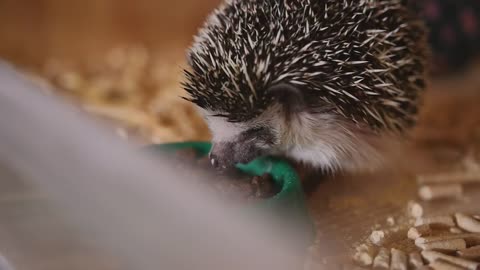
pixel 137 208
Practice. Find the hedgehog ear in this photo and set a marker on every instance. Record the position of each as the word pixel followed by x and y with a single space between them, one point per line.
pixel 289 96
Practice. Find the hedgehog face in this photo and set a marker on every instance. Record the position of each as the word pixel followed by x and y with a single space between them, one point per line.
pixel 241 142
pixel 291 128
pixel 235 143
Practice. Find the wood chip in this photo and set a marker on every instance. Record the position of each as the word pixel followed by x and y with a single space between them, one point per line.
pixel 444 265
pixel 364 255
pixel 419 231
pixel 399 260
pixel 470 163
pixel 442 221
pixel 456 230
pixel 382 260
pixel 435 192
pixel 432 256
pixel 391 221
pixel 425 267
pixel 415 260
pixel 467 223
pixel 472 253
pixel 470 238
pixel 128 115
pixel 377 237
pixel 446 245
pixel 445 178
pixel 415 209
pixel 344 267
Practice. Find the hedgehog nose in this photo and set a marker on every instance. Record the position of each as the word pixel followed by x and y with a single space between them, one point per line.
pixel 214 160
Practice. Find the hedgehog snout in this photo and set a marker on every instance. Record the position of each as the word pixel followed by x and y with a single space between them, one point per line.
pixel 221 157
pixel 214 160
pixel 225 155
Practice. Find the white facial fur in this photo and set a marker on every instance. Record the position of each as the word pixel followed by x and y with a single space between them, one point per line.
pixel 322 140
pixel 222 130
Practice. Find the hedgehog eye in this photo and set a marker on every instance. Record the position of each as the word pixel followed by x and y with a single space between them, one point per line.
pixel 254 131
pixel 261 135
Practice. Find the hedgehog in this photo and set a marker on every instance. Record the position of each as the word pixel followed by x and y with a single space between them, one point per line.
pixel 319 82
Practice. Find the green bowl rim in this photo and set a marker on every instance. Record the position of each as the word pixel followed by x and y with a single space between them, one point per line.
pixel 291 197
pixel 281 171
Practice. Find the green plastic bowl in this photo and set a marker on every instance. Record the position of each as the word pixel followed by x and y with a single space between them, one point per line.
pixel 289 202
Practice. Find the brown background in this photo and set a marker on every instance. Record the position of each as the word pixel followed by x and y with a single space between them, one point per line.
pixel 30 30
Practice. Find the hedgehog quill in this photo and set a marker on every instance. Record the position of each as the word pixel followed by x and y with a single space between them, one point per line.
pixel 315 81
